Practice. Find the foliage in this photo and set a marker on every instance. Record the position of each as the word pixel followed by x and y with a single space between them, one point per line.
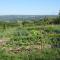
pixel 30 40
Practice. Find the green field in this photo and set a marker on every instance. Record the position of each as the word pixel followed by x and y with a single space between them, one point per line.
pixel 30 40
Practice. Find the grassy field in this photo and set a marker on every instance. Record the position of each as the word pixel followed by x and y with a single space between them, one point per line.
pixel 29 41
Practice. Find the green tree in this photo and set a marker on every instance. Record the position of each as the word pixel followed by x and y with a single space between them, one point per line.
pixel 59 14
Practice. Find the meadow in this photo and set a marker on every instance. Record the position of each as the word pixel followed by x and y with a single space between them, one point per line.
pixel 30 39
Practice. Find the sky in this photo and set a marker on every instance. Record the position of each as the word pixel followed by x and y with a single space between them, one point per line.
pixel 29 7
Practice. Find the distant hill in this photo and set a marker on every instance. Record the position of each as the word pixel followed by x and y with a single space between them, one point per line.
pixel 23 17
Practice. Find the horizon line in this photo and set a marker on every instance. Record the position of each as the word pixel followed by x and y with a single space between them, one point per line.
pixel 27 14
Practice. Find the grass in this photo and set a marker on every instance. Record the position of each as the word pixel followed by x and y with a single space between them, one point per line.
pixel 30 42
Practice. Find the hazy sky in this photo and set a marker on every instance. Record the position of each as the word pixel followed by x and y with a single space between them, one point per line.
pixel 29 7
